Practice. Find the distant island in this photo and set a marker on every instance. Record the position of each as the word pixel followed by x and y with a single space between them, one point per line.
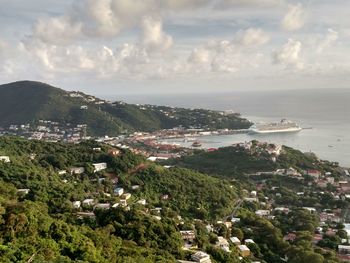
pixel 28 104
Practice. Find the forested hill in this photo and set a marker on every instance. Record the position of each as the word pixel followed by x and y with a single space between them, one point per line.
pixel 234 161
pixel 27 101
pixel 45 224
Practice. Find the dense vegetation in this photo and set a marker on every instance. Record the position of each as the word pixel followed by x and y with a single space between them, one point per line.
pixel 232 162
pixel 26 102
pixel 43 224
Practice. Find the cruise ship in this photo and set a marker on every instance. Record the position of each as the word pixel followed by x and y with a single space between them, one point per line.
pixel 276 127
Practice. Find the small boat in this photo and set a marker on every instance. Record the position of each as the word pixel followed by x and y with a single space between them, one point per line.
pixel 196 144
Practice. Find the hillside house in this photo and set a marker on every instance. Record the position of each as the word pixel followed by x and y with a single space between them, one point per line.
pixel 104 206
pixel 126 196
pixel 223 244
pixel 244 250
pixel 88 202
pixel 23 191
pixel 118 191
pixel 76 204
pixel 235 241
pixel 201 257
pixel 99 167
pixel 5 159
pixel 314 173
pixel 76 170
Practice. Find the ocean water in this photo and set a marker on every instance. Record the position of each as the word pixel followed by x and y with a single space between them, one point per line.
pixel 327 111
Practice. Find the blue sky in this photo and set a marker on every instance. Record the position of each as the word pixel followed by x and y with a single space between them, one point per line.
pixel 170 46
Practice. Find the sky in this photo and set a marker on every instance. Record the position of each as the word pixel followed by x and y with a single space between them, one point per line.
pixel 107 47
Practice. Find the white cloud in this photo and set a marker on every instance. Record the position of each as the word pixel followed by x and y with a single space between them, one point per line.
pixel 56 29
pixel 154 38
pixel 289 55
pixel 252 36
pixel 295 18
pixel 249 3
pixel 331 38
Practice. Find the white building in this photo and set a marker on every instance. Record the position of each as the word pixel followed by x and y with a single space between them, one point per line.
pixel 201 257
pixel 76 204
pixel 5 159
pixel 76 170
pixel 99 166
pixel 142 202
pixel 88 202
pixel 118 191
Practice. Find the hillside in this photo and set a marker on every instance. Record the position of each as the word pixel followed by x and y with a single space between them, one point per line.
pixel 27 102
pixel 47 215
pixel 234 161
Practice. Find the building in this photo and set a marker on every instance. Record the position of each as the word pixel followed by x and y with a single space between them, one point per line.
pixel 118 191
pixel 23 191
pixel 262 213
pixel 223 244
pixel 188 235
pixel 77 170
pixel 249 241
pixel 102 206
pixel 5 159
pixel 126 196
pixel 201 257
pixel 314 173
pixel 88 202
pixel 99 166
pixel 142 202
pixel 344 250
pixel 76 204
pixel 244 250
pixel 235 241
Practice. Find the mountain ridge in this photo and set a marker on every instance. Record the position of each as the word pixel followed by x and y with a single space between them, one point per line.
pixel 29 101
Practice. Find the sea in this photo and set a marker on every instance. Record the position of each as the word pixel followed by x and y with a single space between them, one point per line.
pixel 324 113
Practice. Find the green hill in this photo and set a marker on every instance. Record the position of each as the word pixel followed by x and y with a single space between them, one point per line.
pixel 27 101
pixel 233 162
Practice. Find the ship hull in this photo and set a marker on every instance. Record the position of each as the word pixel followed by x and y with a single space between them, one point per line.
pixel 255 131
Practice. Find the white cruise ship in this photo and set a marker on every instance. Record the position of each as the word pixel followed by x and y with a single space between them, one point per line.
pixel 276 127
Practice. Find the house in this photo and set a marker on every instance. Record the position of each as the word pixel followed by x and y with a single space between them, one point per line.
pixel 76 170
pixel 102 206
pixel 342 249
pixel 23 191
pixel 262 213
pixel 142 202
pixel 314 173
pixel 62 172
pixel 126 196
pixel 114 152
pixel 188 235
pixel 99 166
pixel 76 204
pixel 88 202
pixel 235 241
pixel 249 241
pixel 244 250
pixel 118 191
pixel 223 244
pixel 235 220
pixel 164 197
pixel 310 209
pixel 201 257
pixel 135 187
pixel 5 159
